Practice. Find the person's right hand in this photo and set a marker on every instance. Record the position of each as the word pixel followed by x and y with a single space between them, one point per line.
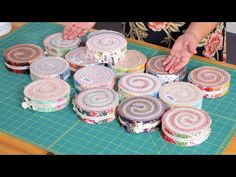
pixel 75 29
pixel 183 49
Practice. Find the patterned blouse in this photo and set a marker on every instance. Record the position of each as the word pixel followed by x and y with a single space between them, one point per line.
pixel 165 34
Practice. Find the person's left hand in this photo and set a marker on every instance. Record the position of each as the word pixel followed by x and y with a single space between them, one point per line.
pixel 183 49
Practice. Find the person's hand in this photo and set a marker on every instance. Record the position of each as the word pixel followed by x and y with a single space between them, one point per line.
pixel 183 49
pixel 75 29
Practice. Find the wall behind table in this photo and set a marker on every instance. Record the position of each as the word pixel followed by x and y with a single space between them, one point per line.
pixel 231 42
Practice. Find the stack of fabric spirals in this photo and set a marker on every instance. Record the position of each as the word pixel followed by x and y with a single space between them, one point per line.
pixel 155 67
pixel 55 45
pixel 140 114
pixel 148 95
pixel 18 58
pixel 50 67
pixel 214 82
pixel 94 77
pixel 133 62
pixel 107 47
pixel 97 105
pixel 46 95
pixel 185 126
pixel 178 94
pixel 78 58
pixel 138 84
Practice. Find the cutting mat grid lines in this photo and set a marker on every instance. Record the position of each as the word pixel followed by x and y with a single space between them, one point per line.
pixel 63 133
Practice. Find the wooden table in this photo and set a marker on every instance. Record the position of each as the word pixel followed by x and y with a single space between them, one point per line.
pixel 12 145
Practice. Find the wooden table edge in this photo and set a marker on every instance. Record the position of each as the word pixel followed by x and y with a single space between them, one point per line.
pixel 6 139
pixel 10 145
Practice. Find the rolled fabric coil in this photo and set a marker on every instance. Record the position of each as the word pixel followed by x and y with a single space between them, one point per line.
pixel 46 107
pixel 5 28
pixel 50 67
pixel 107 47
pixel 78 58
pixel 103 31
pixel 94 77
pixel 138 84
pixel 185 143
pixel 46 95
pixel 186 126
pixel 133 62
pixel 19 57
pixel 178 94
pixel 56 46
pixel 214 82
pixel 154 66
pixel 96 105
pixel 140 114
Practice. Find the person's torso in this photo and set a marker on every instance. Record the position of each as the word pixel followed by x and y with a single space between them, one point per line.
pixel 165 34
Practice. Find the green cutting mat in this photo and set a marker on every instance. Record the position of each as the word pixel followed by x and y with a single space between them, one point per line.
pixel 63 133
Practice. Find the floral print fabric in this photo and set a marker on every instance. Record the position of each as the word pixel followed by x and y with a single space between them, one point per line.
pixel 165 34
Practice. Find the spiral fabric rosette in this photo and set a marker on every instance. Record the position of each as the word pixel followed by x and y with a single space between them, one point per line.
pixel 5 28
pixel 78 58
pixel 97 105
pixel 103 31
pixel 18 58
pixel 107 47
pixel 133 62
pixel 94 77
pixel 138 84
pixel 154 66
pixel 46 95
pixel 178 94
pixel 185 126
pixel 140 114
pixel 50 67
pixel 56 46
pixel 214 82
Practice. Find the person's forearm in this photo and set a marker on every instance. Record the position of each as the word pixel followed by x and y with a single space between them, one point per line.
pixel 201 29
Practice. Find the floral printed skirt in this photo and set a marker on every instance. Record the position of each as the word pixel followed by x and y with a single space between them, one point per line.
pixel 165 34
